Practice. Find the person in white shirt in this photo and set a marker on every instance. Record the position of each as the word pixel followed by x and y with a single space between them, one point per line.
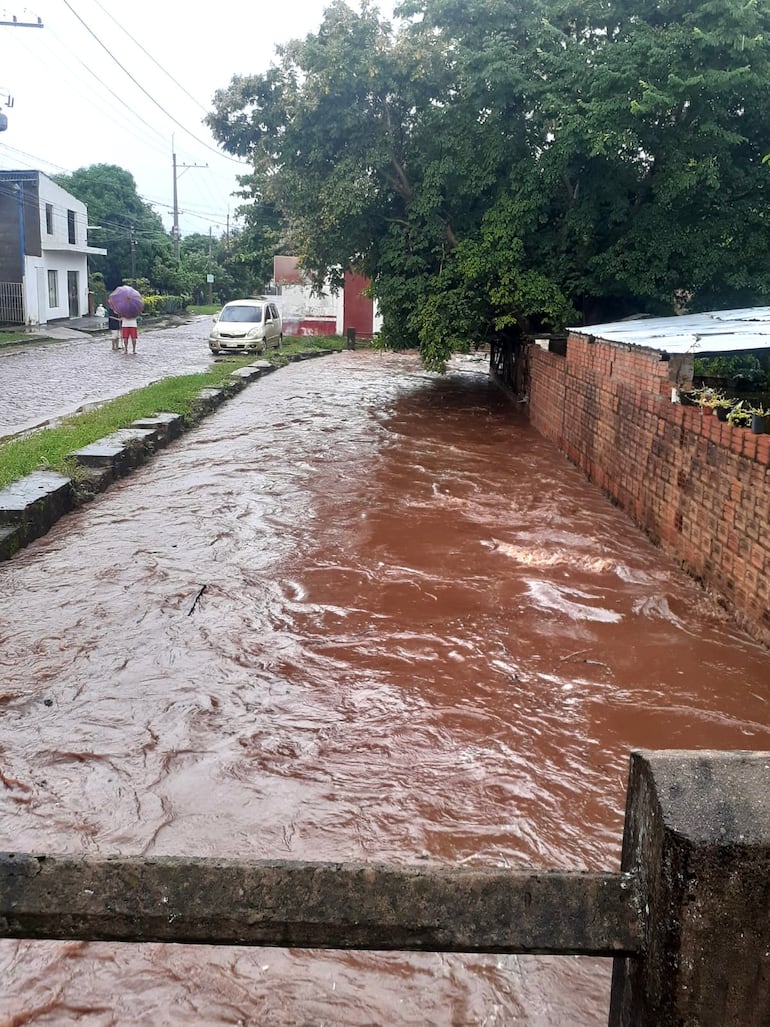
pixel 128 332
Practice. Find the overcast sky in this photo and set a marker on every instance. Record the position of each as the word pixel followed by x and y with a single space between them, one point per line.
pixel 73 105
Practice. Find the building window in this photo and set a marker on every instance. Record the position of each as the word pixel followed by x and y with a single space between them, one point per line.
pixel 71 226
pixel 49 218
pixel 53 289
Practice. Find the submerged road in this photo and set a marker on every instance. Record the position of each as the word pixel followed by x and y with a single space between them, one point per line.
pixel 424 636
pixel 46 380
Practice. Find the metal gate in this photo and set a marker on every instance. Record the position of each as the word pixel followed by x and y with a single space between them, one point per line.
pixel 11 303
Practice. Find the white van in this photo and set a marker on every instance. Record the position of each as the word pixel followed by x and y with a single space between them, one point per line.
pixel 246 326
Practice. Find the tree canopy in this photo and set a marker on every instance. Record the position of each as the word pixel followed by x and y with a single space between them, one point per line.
pixel 139 248
pixel 496 167
pixel 129 229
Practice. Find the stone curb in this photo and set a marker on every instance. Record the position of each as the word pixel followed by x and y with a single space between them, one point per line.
pixel 30 506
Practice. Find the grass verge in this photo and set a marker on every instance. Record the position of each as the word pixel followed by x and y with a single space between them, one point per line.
pixel 8 338
pixel 205 308
pixel 301 344
pixel 48 448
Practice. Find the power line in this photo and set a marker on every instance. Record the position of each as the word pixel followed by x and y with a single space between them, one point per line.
pixel 39 160
pixel 148 139
pixel 148 54
pixel 148 95
pixel 33 162
pixel 105 99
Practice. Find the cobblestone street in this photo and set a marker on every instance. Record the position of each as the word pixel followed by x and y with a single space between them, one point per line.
pixel 42 381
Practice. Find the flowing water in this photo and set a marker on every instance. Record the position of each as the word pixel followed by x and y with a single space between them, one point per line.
pixel 423 634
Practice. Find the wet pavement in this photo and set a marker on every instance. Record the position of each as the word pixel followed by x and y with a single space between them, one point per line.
pixel 41 381
pixel 361 612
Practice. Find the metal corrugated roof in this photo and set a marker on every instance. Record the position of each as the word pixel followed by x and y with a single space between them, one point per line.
pixel 714 331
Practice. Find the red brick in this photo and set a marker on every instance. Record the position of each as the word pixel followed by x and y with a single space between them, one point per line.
pixel 763 449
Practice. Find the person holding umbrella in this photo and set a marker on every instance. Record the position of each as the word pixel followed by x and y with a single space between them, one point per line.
pixel 128 303
pixel 113 323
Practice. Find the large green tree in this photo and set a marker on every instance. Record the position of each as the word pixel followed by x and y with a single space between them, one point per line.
pixel 495 167
pixel 130 230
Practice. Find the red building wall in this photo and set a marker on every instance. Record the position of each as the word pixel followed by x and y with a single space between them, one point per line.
pixel 699 487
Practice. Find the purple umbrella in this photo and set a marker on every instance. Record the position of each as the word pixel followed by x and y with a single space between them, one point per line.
pixel 125 301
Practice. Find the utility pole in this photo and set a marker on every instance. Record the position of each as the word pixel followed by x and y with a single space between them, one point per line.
pixel 132 241
pixel 175 228
pixel 175 233
pixel 209 276
pixel 16 24
pixel 8 103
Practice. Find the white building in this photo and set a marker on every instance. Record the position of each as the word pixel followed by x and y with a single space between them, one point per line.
pixel 305 313
pixel 43 250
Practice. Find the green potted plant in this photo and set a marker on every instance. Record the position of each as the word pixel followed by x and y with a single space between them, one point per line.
pixel 722 406
pixel 704 397
pixel 740 415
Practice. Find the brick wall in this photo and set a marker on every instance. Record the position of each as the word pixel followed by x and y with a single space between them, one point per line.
pixel 699 487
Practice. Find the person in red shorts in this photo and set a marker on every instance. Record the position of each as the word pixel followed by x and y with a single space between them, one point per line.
pixel 128 332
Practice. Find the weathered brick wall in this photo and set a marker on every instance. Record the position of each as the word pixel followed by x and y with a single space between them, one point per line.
pixel 699 487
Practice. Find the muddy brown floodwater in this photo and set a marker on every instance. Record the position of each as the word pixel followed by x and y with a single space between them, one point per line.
pixel 423 634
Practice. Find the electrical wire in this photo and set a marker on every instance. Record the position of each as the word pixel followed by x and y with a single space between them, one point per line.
pixel 157 64
pixel 39 160
pixel 148 95
pixel 207 217
pixel 159 144
pixel 200 214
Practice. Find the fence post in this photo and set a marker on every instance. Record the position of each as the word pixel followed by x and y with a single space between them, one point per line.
pixel 697 838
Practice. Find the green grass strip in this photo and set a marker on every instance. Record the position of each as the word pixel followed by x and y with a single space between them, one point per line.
pixel 48 447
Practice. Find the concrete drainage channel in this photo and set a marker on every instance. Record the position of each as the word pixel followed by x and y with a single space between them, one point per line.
pixel 31 505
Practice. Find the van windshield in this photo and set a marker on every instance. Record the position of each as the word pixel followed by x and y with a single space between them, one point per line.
pixel 251 314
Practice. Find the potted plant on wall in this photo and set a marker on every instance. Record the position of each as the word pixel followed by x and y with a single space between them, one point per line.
pixel 709 400
pixel 758 415
pixel 740 415
pixel 722 406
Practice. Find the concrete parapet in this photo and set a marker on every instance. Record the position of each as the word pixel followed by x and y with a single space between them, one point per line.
pixel 697 839
pixel 233 385
pixel 306 354
pixel 11 540
pixel 314 905
pixel 685 921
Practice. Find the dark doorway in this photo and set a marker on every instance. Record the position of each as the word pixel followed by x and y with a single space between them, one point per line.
pixel 73 293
